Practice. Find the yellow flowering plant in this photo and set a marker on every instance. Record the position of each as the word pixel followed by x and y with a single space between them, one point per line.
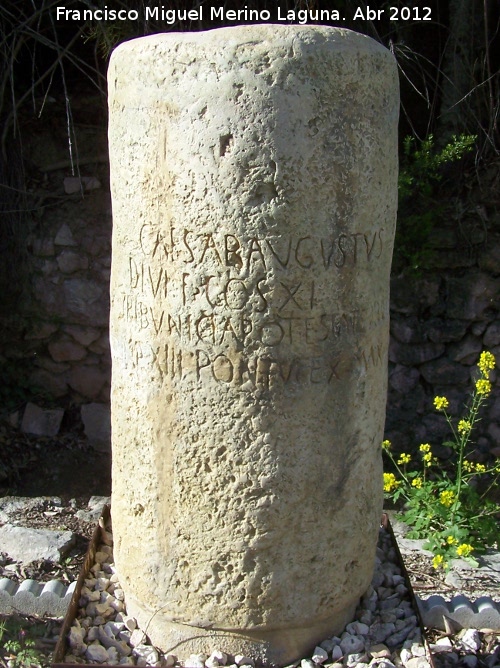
pixel 446 505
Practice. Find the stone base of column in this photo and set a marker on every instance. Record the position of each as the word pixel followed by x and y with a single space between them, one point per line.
pixel 268 647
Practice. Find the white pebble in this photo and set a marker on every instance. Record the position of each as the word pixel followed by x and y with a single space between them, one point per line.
pixel 307 663
pixel 137 638
pixel 216 659
pixel 242 660
pixel 319 655
pixel 471 640
pixel 146 655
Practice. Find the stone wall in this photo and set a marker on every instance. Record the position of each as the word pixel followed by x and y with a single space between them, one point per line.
pixel 55 337
pixel 69 300
pixel 441 320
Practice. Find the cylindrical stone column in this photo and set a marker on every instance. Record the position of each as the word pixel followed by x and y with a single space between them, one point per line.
pixel 253 174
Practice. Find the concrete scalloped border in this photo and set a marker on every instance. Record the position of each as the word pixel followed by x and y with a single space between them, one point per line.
pixel 483 613
pixel 35 598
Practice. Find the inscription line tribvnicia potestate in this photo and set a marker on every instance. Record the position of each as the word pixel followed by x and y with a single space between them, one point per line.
pixel 254 193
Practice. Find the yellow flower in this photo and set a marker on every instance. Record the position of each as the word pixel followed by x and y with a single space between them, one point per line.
pixel 464 550
pixel 450 540
pixel 417 482
pixel 404 459
pixel 480 468
pixel 483 386
pixel 425 447
pixel 390 482
pixel 486 362
pixel 386 445
pixel 427 458
pixel 441 403
pixel 467 466
pixel 447 497
pixel 438 561
pixel 464 426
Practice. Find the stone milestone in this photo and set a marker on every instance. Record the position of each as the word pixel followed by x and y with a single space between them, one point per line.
pixel 253 177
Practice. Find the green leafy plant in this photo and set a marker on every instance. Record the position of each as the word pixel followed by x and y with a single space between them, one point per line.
pixel 20 652
pixel 420 206
pixel 449 508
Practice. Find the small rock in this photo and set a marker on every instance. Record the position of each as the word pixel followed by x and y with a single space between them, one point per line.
pixel 380 651
pixel 418 662
pixel 337 653
pixel 170 660
pixel 355 658
pixel 131 624
pixel 442 645
pixel 382 663
pixel 417 649
pixel 319 655
pixel 97 653
pixel 146 655
pixel 327 645
pixel 137 638
pixel 196 661
pixel 471 640
pixel 470 661
pixel 357 629
pixel 216 658
pixel 40 421
pixel 76 184
pixel 351 644
pixel 241 660
pixel 405 655
pixel 380 631
pixel 307 663
pixel 113 655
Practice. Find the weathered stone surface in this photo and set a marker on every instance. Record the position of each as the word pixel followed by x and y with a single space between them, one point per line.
pixel 466 351
pixel 41 330
pixel 69 262
pixel 65 349
pixel 445 372
pixel 403 379
pixel 49 364
pixel 86 297
pixel 27 545
pixel 418 353
pixel 41 421
pixel 471 297
pixel 76 184
pixel 492 335
pixel 84 335
pixel 254 197
pixel 43 247
pixel 97 423
pixel 411 295
pixel 407 330
pixel 89 381
pixel 64 237
pixel 443 331
pixel 55 384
